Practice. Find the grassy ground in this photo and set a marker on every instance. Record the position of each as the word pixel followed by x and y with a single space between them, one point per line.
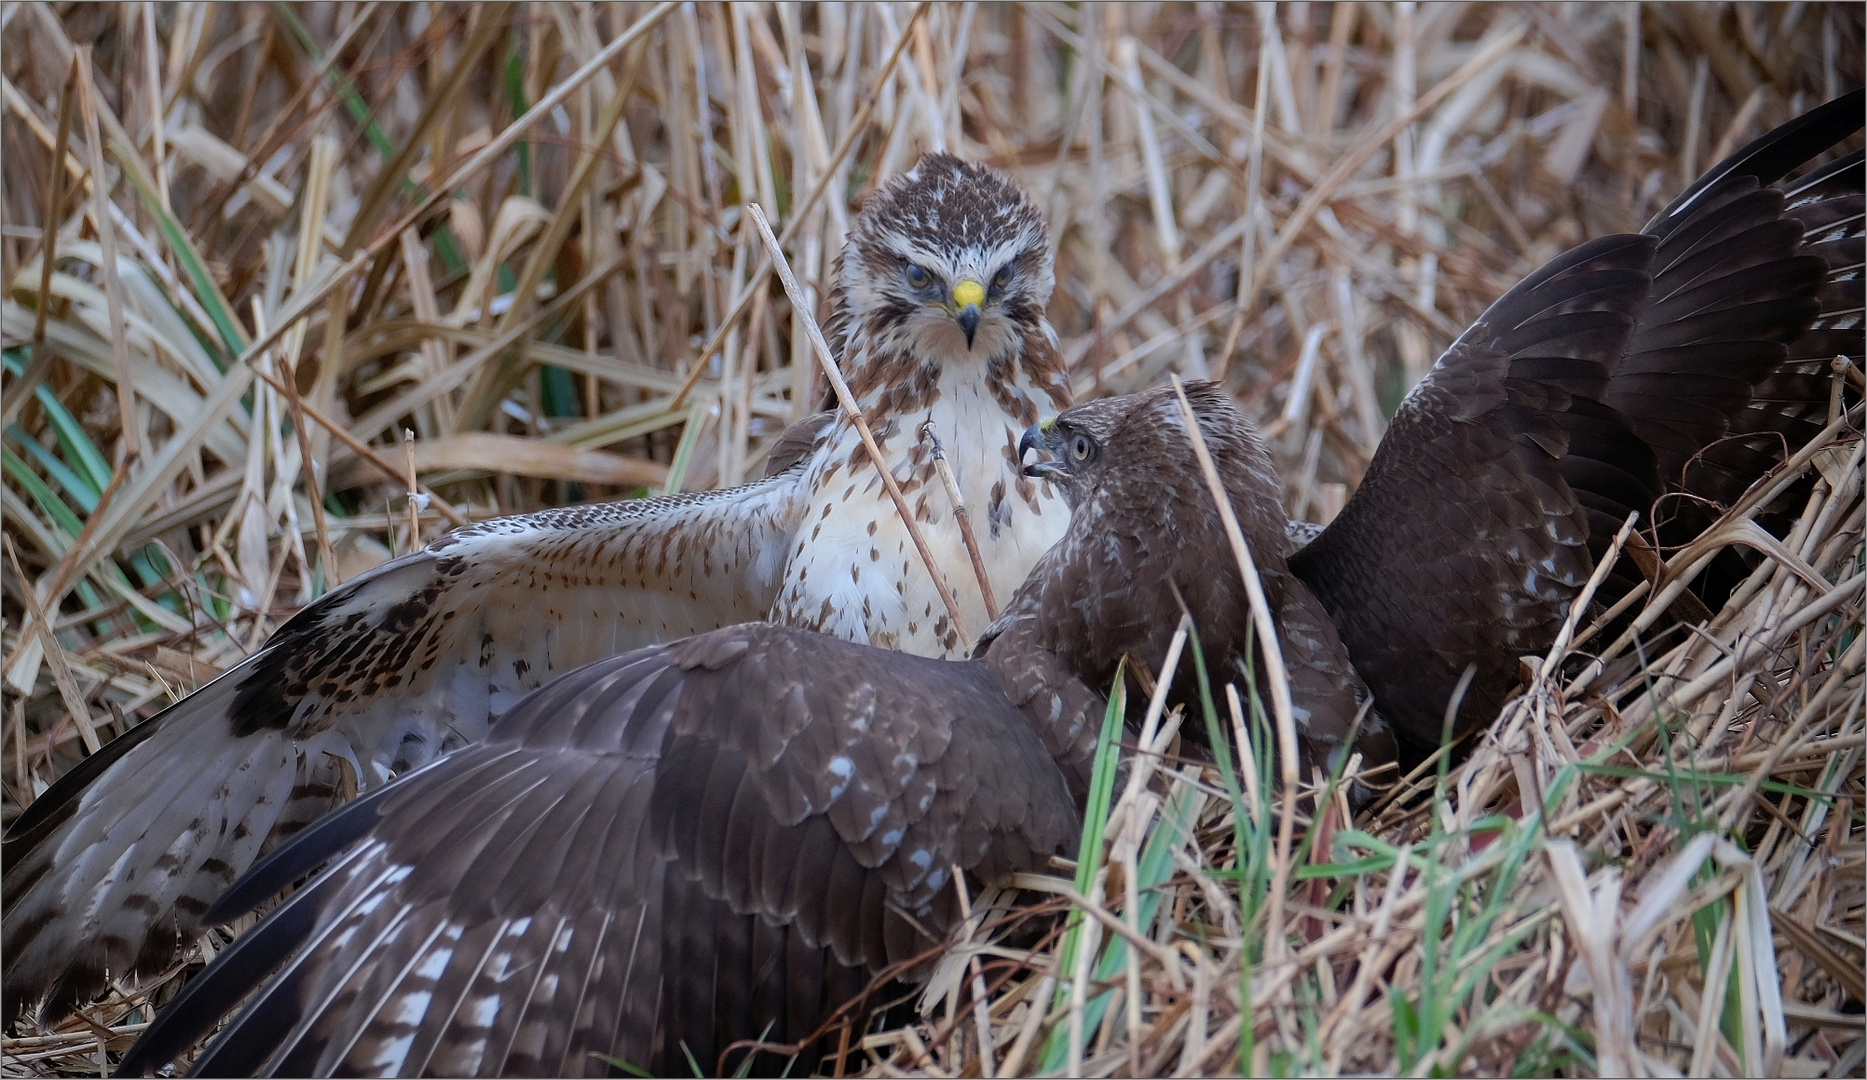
pixel 238 238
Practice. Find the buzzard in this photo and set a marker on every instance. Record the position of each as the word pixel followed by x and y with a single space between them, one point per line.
pixel 1629 371
pixel 773 815
pixel 938 317
pixel 727 837
pixel 1146 542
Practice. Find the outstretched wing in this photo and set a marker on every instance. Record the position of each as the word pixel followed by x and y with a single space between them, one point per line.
pixel 1748 434
pixel 109 871
pixel 657 855
pixel 1578 397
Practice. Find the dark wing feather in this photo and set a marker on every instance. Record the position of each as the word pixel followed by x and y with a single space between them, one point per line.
pixel 110 869
pixel 1772 155
pixel 1327 695
pixel 685 846
pixel 1615 373
pixel 1759 290
pixel 798 441
pixel 1464 540
pixel 1788 405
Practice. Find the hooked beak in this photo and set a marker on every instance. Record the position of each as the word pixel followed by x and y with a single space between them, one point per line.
pixel 968 297
pixel 1035 437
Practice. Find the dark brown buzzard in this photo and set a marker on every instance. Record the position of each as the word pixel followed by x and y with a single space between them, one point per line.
pixel 1655 372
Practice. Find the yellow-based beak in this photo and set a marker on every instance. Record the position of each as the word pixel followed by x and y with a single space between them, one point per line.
pixel 968 298
pixel 1037 437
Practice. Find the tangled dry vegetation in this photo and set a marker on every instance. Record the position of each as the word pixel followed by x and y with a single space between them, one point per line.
pixel 238 239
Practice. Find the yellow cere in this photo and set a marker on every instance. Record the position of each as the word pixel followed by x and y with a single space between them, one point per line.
pixel 968 293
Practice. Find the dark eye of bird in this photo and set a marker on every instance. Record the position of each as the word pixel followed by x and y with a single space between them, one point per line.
pixel 1080 447
pixel 918 277
pixel 1002 278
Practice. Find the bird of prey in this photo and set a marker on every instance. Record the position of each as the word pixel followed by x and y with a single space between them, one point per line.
pixel 773 814
pixel 725 838
pixel 938 305
pixel 1682 359
pixel 1147 543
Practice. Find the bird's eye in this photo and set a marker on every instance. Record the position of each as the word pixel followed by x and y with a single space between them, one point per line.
pixel 1080 446
pixel 1002 278
pixel 918 277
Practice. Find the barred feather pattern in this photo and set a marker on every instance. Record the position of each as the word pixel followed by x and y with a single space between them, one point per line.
pixel 654 856
pixel 727 838
pixel 398 666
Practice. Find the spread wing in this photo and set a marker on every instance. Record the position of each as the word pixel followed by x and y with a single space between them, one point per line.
pixel 1739 436
pixel 658 854
pixel 1578 397
pixel 110 870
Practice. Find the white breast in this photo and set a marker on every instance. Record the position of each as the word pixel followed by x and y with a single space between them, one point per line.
pixel 854 571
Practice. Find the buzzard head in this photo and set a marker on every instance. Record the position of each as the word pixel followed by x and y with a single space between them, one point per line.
pixel 1145 535
pixel 1072 444
pixel 1126 464
pixel 1149 435
pixel 949 260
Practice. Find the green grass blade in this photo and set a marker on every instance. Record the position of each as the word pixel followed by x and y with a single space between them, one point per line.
pixel 48 500
pixel 80 492
pixel 1222 754
pixel 206 291
pixel 346 90
pixel 1089 851
pixel 515 97
pixel 82 454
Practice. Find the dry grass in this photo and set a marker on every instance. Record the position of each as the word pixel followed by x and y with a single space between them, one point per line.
pixel 247 237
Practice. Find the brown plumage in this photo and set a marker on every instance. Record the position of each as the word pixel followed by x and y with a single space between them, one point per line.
pixel 1141 516
pixel 1634 373
pixel 719 839
pixel 108 872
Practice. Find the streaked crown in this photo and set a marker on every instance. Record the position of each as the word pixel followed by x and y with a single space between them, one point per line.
pixel 946 260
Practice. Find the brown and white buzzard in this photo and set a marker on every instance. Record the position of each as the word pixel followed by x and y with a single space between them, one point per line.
pixel 721 839
pixel 724 838
pixel 938 318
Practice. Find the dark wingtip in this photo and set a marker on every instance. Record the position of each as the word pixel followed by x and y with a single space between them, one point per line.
pixel 210 996
pixel 1776 153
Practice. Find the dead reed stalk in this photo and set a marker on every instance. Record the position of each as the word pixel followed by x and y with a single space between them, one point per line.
pixel 247 246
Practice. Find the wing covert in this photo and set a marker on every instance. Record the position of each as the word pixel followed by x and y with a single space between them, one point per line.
pixel 1465 501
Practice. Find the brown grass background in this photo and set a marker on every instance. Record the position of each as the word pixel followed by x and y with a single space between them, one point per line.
pixel 306 230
